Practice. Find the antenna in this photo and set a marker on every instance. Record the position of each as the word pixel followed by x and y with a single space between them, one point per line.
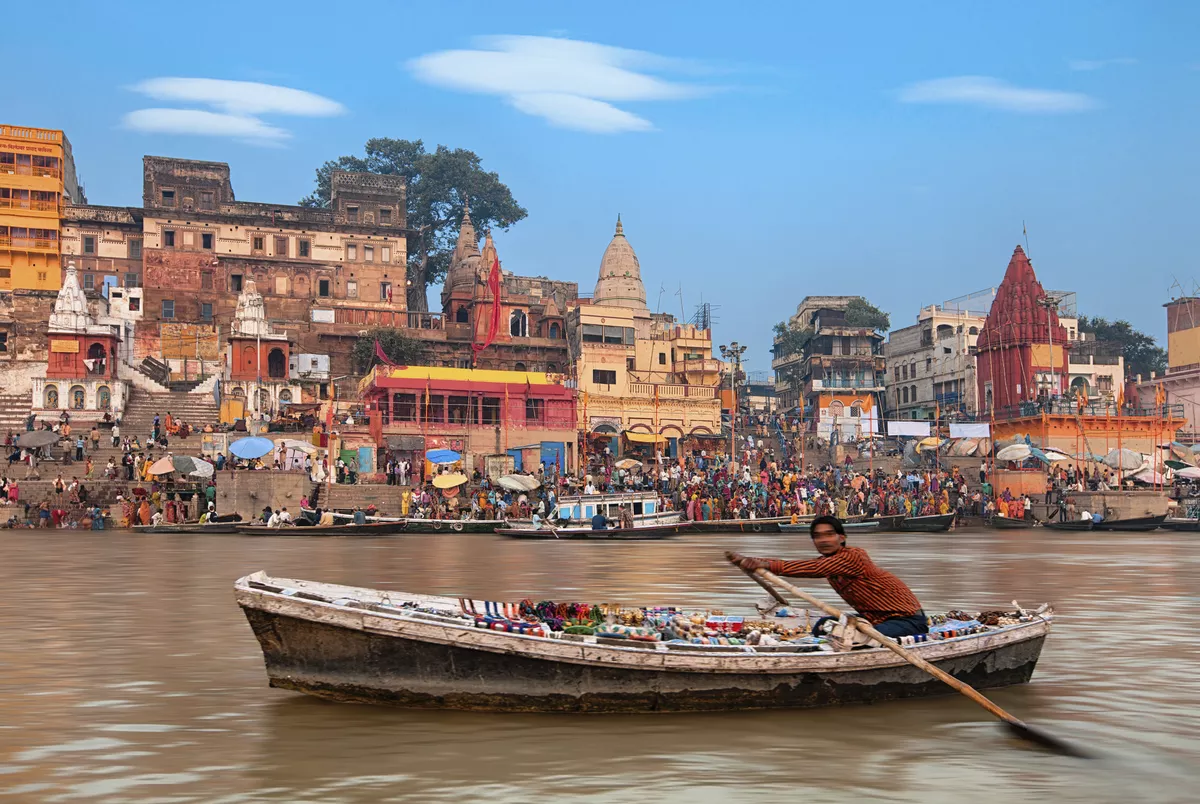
pixel 661 290
pixel 679 293
pixel 1025 231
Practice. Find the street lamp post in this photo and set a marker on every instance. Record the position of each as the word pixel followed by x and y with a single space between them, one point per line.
pixel 733 352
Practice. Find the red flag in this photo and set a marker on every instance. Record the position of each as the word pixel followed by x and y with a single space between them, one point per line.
pixel 493 284
pixel 381 355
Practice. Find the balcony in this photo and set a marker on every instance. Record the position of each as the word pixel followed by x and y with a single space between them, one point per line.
pixel 33 204
pixel 647 389
pixel 12 169
pixel 30 243
pixel 704 365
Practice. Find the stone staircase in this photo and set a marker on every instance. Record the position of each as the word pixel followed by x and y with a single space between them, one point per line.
pixel 138 420
pixel 14 410
pixel 339 496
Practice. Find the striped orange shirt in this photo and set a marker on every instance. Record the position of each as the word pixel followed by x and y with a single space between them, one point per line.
pixel 875 593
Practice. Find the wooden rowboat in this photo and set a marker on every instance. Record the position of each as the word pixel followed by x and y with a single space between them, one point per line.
pixel 369 529
pixel 928 524
pixel 1070 524
pixel 452 525
pixel 360 645
pixel 189 527
pixel 1141 523
pixel 1182 524
pixel 849 527
pixel 636 533
pixel 764 525
pixel 1010 523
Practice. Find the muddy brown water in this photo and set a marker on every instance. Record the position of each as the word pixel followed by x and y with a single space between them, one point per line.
pixel 127 673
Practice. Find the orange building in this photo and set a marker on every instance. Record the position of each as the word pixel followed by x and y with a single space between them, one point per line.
pixel 37 177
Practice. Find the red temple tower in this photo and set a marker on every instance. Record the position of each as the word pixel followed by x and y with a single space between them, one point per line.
pixel 1022 348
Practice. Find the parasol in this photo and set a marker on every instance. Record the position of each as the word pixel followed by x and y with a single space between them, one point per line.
pixel 202 468
pixel 163 466
pixel 296 444
pixel 449 481
pixel 627 463
pixel 518 482
pixel 1014 452
pixel 1124 459
pixel 1179 466
pixel 1150 476
pixel 37 438
pixel 1189 472
pixel 253 447
pixel 1055 455
pixel 442 456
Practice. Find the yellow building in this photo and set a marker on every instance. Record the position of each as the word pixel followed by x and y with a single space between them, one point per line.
pixel 37 177
pixel 644 379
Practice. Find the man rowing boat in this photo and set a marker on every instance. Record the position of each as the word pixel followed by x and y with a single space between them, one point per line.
pixel 876 594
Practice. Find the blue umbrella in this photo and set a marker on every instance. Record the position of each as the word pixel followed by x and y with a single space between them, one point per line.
pixel 250 448
pixel 442 456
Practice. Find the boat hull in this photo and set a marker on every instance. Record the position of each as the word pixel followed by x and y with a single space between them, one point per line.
pixel 219 527
pixel 359 645
pixel 369 529
pixel 353 666
pixel 1138 524
pixel 738 525
pixel 1182 524
pixel 927 524
pixel 1079 525
pixel 644 533
pixel 1010 523
pixel 452 525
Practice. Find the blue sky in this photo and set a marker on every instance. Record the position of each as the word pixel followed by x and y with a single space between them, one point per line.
pixel 756 154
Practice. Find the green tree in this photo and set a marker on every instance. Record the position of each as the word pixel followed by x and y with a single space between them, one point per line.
pixel 438 185
pixel 1141 352
pixel 790 339
pixel 861 313
pixel 399 348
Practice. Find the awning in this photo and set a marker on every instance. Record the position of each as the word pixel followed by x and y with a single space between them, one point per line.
pixel 645 438
pixel 298 406
pixel 409 443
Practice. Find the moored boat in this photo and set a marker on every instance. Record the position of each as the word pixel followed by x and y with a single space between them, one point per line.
pixel 647 508
pixel 935 523
pixel 850 526
pixel 360 645
pixel 189 527
pixel 636 533
pixel 1070 524
pixel 1136 524
pixel 369 529
pixel 452 525
pixel 1010 523
pixel 1190 524
pixel 763 525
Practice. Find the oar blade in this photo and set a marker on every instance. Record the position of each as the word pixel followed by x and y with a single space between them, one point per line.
pixel 1047 741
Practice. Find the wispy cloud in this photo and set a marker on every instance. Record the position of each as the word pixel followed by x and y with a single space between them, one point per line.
pixel 238 105
pixel 993 93
pixel 1085 65
pixel 568 83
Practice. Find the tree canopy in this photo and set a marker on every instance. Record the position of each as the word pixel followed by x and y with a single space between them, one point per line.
pixel 399 348
pixel 790 339
pixel 861 313
pixel 1141 352
pixel 438 185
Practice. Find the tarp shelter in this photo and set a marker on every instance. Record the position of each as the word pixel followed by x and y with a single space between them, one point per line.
pixel 645 438
pixel 911 429
pixel 969 430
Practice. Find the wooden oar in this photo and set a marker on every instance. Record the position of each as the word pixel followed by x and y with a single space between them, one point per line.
pixel 1015 725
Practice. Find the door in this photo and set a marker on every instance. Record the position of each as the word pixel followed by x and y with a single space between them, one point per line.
pixel 515 454
pixel 366 460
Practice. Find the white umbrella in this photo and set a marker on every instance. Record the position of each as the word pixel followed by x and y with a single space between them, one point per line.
pixel 1055 455
pixel 302 446
pixel 518 482
pixel 1150 476
pixel 1123 459
pixel 1014 452
pixel 1191 473
pixel 202 468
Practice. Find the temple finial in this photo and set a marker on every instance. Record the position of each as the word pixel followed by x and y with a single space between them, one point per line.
pixel 620 228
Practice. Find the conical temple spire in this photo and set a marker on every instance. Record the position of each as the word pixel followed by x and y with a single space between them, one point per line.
pixel 620 229
pixel 620 281
pixel 467 242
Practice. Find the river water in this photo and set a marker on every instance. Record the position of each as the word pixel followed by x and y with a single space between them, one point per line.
pixel 127 673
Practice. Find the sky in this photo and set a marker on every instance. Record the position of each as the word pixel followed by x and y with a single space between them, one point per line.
pixel 756 154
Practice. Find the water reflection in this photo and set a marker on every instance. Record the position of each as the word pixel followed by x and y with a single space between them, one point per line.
pixel 129 674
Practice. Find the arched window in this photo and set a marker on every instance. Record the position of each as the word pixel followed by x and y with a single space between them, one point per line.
pixel 912 369
pixel 837 409
pixel 276 364
pixel 518 324
pixel 78 397
pixel 555 330
pixel 285 395
pixel 462 316
pixel 912 389
pixel 856 409
pixel 519 367
pixel 239 393
pixel 552 368
pixel 50 397
pixel 103 398
pixel 264 399
pixel 904 395
pixel 973 331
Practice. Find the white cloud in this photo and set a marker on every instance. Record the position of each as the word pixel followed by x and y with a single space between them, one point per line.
pixel 237 105
pixel 202 123
pixel 992 93
pixel 1099 64
pixel 567 82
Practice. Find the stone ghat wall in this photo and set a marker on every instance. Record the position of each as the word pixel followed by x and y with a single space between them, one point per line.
pixel 247 493
pixel 1122 504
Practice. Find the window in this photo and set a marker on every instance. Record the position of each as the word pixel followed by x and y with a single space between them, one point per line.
pixel 323 288
pixel 629 364
pixel 593 333
pixel 904 395
pixel 303 248
pixel 205 311
pixel 135 303
pixel 206 200
pixel 351 289
pixel 457 410
pixel 206 280
pixel 206 240
pixel 168 198
pixel 404 407
pixel 135 249
pixel 256 243
pixel 928 364
pixel 368 254
pixel 518 324
pixel 973 331
pixel 41 276
pixel 281 246
pixel 168 308
pixel 604 377
pixel 89 282
pixel 235 283
pixel 912 391
pixel 352 252
pixel 352 214
pixel 662 358
pixel 386 254
pixel 385 215
pixel 168 238
pixel 535 411
pixel 3 343
pixel 491 410
pixel 433 408
pixel 89 244
pixel 385 291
